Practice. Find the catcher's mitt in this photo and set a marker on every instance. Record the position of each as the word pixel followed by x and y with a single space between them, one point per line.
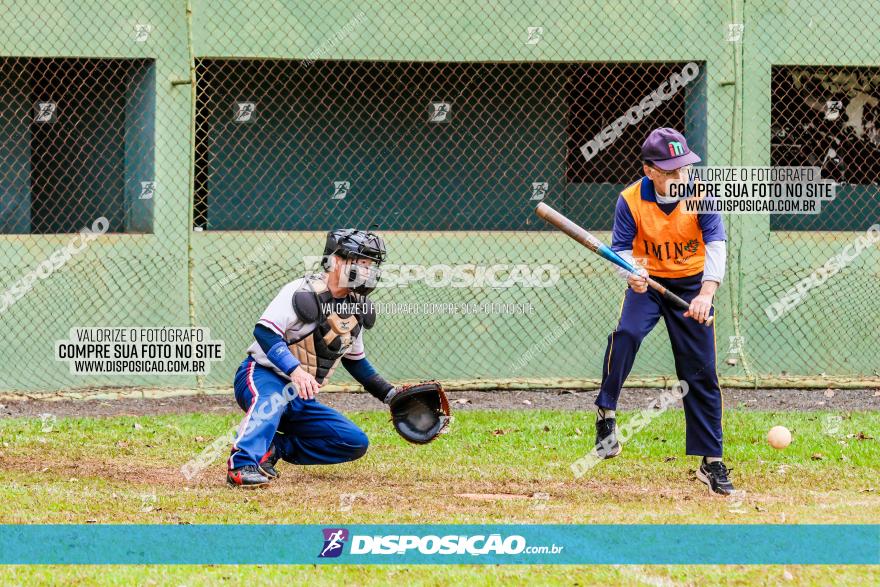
pixel 419 412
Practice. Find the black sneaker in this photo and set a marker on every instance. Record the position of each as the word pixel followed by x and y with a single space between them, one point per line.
pixel 248 477
pixel 607 446
pixel 714 475
pixel 267 463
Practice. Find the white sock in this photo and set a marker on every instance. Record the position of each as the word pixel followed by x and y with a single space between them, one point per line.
pixel 602 413
pixel 711 459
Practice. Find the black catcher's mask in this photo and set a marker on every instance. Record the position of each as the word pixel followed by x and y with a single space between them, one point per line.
pixel 353 244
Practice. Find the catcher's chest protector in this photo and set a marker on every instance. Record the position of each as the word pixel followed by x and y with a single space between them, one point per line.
pixel 337 325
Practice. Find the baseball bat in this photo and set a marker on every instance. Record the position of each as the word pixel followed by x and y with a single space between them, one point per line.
pixel 591 242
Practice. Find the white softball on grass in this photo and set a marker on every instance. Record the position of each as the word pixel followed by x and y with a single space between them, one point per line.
pixel 779 437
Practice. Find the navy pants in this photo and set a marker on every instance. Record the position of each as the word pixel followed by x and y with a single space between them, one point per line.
pixel 304 432
pixel 693 345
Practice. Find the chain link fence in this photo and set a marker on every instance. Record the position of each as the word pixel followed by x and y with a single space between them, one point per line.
pixel 215 142
pixel 94 181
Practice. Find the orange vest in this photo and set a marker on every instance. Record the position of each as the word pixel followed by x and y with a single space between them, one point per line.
pixel 667 245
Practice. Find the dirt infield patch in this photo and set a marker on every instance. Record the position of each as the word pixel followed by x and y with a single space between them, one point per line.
pixel 749 399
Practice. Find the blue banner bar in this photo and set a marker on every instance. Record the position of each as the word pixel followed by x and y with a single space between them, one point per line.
pixel 440 544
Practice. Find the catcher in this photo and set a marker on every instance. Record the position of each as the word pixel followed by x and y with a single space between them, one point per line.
pixel 312 325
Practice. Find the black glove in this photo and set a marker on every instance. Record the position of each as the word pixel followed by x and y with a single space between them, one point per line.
pixel 419 412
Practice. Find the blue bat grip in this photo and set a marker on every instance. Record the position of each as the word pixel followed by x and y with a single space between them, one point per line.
pixel 607 253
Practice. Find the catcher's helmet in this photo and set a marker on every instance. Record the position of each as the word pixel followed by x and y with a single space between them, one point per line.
pixel 350 243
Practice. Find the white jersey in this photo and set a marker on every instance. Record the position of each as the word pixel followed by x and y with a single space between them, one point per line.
pixel 281 318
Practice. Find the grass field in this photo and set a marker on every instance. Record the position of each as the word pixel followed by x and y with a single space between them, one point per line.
pixel 515 465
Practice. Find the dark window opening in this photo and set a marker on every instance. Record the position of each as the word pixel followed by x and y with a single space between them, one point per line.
pixel 296 145
pixel 829 117
pixel 76 139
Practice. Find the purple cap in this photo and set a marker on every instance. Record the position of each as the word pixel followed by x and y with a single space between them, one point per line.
pixel 667 149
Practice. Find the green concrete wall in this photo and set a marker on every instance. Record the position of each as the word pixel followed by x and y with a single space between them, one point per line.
pixel 223 279
pixel 119 279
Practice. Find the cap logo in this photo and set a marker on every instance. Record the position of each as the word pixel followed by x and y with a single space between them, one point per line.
pixel 675 148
